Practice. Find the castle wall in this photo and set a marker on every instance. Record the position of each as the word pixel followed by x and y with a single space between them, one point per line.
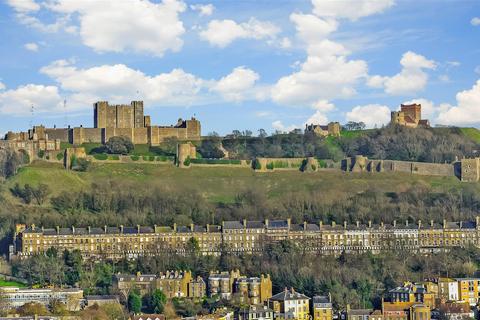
pixel 140 135
pixel 124 116
pixel 138 116
pixel 193 129
pixel 470 170
pixel 58 133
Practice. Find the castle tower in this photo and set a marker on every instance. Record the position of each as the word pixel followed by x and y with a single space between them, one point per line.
pixel 414 111
pixel 138 116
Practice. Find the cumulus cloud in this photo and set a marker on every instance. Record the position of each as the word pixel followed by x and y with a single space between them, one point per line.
pixel 119 83
pixel 323 106
pixel 31 46
pixel 327 72
pixel 24 5
pixel 475 21
pixel 317 118
pixel 350 9
pixel 411 79
pixel 371 114
pixel 221 33
pixel 18 102
pixel 236 85
pixel 278 125
pixel 203 9
pixel 2 86
pixel 131 25
pixel 466 112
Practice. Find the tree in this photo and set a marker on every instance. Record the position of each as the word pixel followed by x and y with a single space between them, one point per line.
pixel 262 133
pixel 32 309
pixel 134 302
pixel 157 301
pixel 352 125
pixel 119 145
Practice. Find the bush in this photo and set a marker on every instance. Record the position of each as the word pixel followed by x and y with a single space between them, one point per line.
pixel 41 154
pixel 119 145
pixel 60 156
pixel 257 165
pixel 186 163
pixel 270 166
pixel 135 158
pixel 114 157
pixel 322 163
pixel 151 158
pixel 100 156
pixel 82 165
pixel 73 161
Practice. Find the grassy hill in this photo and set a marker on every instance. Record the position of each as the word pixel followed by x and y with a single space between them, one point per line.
pixel 219 184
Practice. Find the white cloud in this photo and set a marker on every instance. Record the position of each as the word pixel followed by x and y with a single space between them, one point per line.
pixel 285 43
pixel 262 114
pixel 2 86
pixel 203 9
pixel 19 102
pixel 475 21
pixel 24 5
pixel 31 46
pixel 467 110
pixel 132 25
pixel 350 9
pixel 411 79
pixel 236 85
pixel 444 78
pixel 323 106
pixel 317 118
pixel 311 28
pixel 221 33
pixel 371 115
pixel 278 125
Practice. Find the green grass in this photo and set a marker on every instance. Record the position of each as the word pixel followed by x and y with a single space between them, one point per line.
pixel 90 147
pixel 472 133
pixel 222 184
pixel 6 283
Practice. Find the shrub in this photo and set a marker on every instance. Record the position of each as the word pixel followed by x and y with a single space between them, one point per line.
pixel 270 166
pixel 151 158
pixel 145 158
pixel 119 145
pixel 314 167
pixel 82 165
pixel 114 157
pixel 322 163
pixel 186 163
pixel 135 157
pixel 41 153
pixel 73 161
pixel 257 165
pixel 60 156
pixel 100 156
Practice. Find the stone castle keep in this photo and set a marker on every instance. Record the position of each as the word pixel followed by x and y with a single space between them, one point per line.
pixel 116 120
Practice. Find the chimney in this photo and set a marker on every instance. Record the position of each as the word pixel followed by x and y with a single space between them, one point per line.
pixel 320 224
pixel 477 221
pixel 444 224
pixel 461 224
pixel 33 227
pixel 58 229
pixel 369 223
pixel 431 223
pixel 419 224
pixel 138 228
pixel 304 225
pixel 155 228
pixel 358 224
pixel 344 224
pixel 266 223
pixel 406 223
pixel 394 223
pixel 245 223
pixel 121 228
pixel 208 227
pixel 105 228
pixel 289 222
pixel 192 227
pixel 175 227
pixel 89 229
pixel 73 229
pixel 334 223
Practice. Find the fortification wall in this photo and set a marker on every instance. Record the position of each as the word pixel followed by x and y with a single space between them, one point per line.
pixel 272 164
pixel 140 135
pixel 57 133
pixel 363 164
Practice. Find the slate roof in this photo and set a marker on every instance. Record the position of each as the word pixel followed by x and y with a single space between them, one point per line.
pixel 277 224
pixel 233 225
pixel 288 295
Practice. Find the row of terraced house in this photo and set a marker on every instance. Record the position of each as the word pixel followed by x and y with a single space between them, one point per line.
pixel 247 237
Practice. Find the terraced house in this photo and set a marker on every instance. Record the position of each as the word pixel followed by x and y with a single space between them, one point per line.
pixel 247 237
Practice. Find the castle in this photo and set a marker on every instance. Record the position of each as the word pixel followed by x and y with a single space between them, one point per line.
pixel 410 115
pixel 114 120
pixel 331 129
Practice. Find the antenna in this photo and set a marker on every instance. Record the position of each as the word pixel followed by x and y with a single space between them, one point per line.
pixel 65 112
pixel 31 115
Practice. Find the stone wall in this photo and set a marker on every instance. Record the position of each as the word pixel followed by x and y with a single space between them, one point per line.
pixel 71 153
pixel 363 164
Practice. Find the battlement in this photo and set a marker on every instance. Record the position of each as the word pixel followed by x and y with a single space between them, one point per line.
pixel 410 115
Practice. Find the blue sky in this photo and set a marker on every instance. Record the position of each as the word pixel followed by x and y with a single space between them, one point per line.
pixel 241 65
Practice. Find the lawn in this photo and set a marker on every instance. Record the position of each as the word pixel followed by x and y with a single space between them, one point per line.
pixel 220 184
pixel 472 133
pixel 6 283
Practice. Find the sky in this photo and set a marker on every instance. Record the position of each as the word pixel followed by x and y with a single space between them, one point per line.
pixel 239 64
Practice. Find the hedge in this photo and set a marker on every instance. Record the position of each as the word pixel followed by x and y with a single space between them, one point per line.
pixel 215 161
pixel 114 157
pixel 60 156
pixel 100 156
pixel 135 158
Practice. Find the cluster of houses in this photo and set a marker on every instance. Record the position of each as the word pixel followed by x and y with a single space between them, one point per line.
pixel 439 298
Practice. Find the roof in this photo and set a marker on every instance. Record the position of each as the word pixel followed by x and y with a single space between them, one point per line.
pixel 289 295
pixel 277 224
pixel 360 312
pixel 149 317
pixel 98 297
pixel 321 299
pixel 232 225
